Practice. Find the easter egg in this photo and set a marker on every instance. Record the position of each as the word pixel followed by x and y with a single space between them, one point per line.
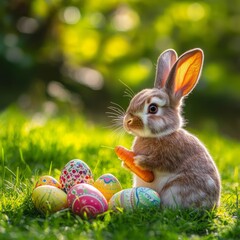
pixel 76 171
pixel 85 200
pixel 47 180
pixel 49 199
pixel 134 198
pixel 108 185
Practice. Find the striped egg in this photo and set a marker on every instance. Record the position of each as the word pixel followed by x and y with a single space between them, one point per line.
pixel 135 198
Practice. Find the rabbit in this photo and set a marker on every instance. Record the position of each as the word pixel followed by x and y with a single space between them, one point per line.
pixel 185 174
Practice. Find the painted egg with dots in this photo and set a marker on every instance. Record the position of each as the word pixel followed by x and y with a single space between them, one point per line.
pixel 135 198
pixel 75 171
pixel 108 185
pixel 49 199
pixel 47 180
pixel 86 201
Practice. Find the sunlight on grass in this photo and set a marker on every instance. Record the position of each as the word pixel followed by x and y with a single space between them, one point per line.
pixel 30 148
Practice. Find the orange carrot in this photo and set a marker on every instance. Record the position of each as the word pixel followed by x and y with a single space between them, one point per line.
pixel 127 156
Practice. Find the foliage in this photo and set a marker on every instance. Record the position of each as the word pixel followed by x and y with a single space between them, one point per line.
pixel 37 145
pixel 65 50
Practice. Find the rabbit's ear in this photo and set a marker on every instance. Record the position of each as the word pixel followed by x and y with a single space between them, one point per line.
pixel 164 66
pixel 185 73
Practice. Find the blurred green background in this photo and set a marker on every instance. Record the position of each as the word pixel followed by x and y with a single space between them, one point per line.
pixel 71 55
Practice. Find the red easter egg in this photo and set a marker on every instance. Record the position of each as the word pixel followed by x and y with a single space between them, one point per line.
pixel 85 200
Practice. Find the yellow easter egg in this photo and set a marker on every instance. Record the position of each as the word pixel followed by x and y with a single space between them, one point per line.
pixel 108 185
pixel 49 199
pixel 47 180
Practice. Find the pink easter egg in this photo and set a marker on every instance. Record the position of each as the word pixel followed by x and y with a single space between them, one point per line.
pixel 85 200
pixel 75 171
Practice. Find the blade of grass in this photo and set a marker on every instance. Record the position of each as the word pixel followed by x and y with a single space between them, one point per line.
pixel 50 168
pixel 23 161
pixel 17 178
pixel 3 169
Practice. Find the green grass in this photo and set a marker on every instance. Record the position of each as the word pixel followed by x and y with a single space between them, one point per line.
pixel 31 147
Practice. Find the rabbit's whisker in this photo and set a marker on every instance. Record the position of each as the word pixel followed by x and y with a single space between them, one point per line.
pixel 117 106
pixel 129 91
pixel 116 111
pixel 116 114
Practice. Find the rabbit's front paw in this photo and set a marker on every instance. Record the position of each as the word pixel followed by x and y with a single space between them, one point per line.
pixel 141 161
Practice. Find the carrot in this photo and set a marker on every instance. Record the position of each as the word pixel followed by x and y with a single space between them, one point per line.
pixel 127 156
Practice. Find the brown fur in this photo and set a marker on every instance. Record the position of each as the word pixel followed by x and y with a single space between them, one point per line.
pixel 182 154
pixel 185 173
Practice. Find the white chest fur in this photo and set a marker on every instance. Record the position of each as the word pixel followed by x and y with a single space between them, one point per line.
pixel 160 179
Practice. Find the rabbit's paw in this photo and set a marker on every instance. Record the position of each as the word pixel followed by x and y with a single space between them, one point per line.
pixel 141 161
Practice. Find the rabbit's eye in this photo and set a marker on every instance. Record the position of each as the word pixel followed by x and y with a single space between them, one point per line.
pixel 153 108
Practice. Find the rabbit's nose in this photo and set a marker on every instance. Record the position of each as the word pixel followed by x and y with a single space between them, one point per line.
pixel 129 122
